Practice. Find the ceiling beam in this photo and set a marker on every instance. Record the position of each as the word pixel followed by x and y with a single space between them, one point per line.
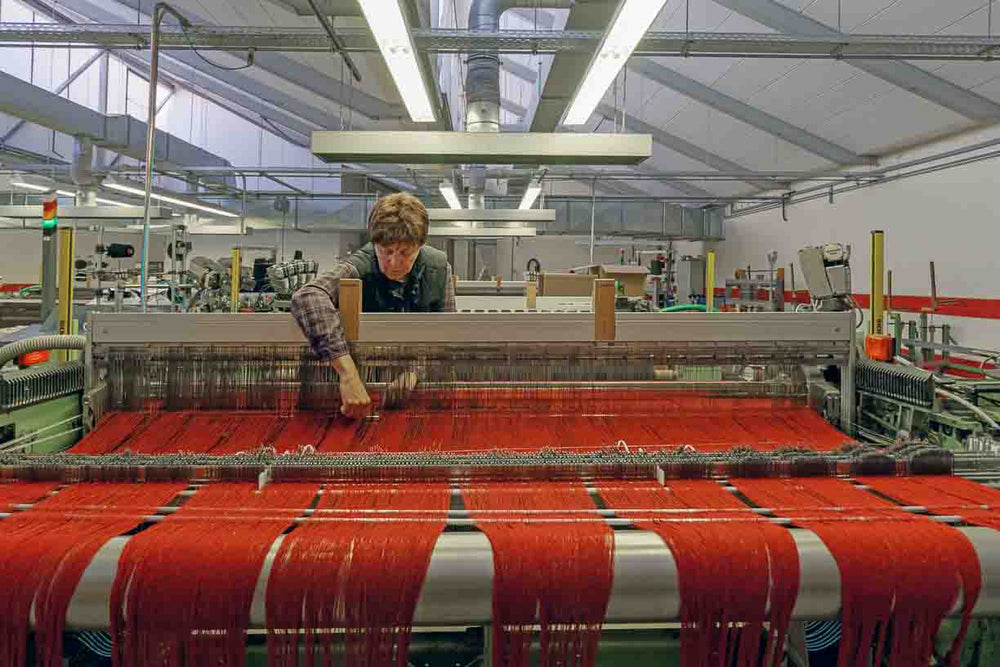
pixel 122 134
pixel 744 112
pixel 515 68
pixel 63 86
pixel 568 69
pixel 237 87
pixel 684 187
pixel 248 107
pixel 682 146
pixel 918 81
pixel 513 107
pixel 303 76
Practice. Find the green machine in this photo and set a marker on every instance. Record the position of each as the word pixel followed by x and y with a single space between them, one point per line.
pixel 40 407
pixel 899 402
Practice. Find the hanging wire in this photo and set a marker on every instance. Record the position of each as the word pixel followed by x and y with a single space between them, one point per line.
pixel 250 54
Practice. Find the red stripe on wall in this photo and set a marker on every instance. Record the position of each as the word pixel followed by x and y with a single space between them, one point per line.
pixel 14 287
pixel 987 309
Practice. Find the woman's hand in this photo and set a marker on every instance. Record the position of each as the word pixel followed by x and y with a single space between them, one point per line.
pixel 355 402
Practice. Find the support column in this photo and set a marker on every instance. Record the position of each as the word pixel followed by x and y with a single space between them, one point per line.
pixel 50 263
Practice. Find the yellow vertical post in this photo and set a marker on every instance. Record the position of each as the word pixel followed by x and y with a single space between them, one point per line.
pixel 64 306
pixel 531 296
pixel 236 276
pixel 350 307
pixel 710 282
pixel 876 318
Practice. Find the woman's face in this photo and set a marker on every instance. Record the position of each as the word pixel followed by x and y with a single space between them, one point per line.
pixel 395 260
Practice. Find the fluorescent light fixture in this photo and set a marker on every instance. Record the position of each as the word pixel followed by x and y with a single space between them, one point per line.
pixel 448 192
pixel 630 24
pixel 215 229
pixel 63 193
pixel 111 202
pixel 151 226
pixel 137 190
pixel 385 18
pixel 30 186
pixel 530 195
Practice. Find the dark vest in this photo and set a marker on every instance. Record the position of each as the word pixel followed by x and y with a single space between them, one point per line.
pixel 423 291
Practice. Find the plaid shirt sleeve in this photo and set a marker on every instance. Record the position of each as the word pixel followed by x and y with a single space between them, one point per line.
pixel 315 306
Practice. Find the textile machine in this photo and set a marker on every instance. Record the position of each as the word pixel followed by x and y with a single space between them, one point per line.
pixel 594 399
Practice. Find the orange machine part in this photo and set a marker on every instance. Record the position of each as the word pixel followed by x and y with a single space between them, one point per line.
pixel 32 358
pixel 879 347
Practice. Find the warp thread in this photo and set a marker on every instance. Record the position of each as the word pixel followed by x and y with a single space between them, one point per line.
pixel 670 421
pixel 184 587
pixel 948 494
pixel 351 587
pixel 901 574
pixel 736 570
pixel 45 550
pixel 555 575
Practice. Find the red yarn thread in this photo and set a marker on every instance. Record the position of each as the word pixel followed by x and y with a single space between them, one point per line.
pixel 899 572
pixel 44 551
pixel 23 493
pixel 557 575
pixel 353 585
pixel 947 494
pixel 483 421
pixel 731 564
pixel 168 607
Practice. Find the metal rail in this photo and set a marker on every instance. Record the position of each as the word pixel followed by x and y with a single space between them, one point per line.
pixel 711 44
pixel 458 589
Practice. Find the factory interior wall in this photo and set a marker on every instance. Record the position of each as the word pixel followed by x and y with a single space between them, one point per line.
pixel 22 251
pixel 947 216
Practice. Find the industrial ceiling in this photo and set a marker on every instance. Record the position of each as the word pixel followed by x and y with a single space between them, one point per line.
pixel 775 108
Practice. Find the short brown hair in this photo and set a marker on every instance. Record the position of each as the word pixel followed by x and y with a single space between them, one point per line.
pixel 398 218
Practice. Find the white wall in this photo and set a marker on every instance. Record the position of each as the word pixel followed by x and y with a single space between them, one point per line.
pixel 948 216
pixel 21 251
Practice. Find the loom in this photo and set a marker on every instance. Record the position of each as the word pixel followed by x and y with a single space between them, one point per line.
pixel 633 373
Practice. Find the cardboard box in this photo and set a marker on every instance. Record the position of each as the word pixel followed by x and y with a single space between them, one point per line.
pixel 632 278
pixel 566 284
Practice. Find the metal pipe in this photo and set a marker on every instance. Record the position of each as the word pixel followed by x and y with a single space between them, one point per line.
pixel 14 350
pixel 50 266
pixel 971 406
pixel 593 216
pixel 159 11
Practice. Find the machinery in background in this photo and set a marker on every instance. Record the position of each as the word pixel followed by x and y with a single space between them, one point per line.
pixel 690 281
pixel 266 286
pixel 757 290
pixel 827 272
pixel 661 284
pixel 897 399
pixel 286 278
